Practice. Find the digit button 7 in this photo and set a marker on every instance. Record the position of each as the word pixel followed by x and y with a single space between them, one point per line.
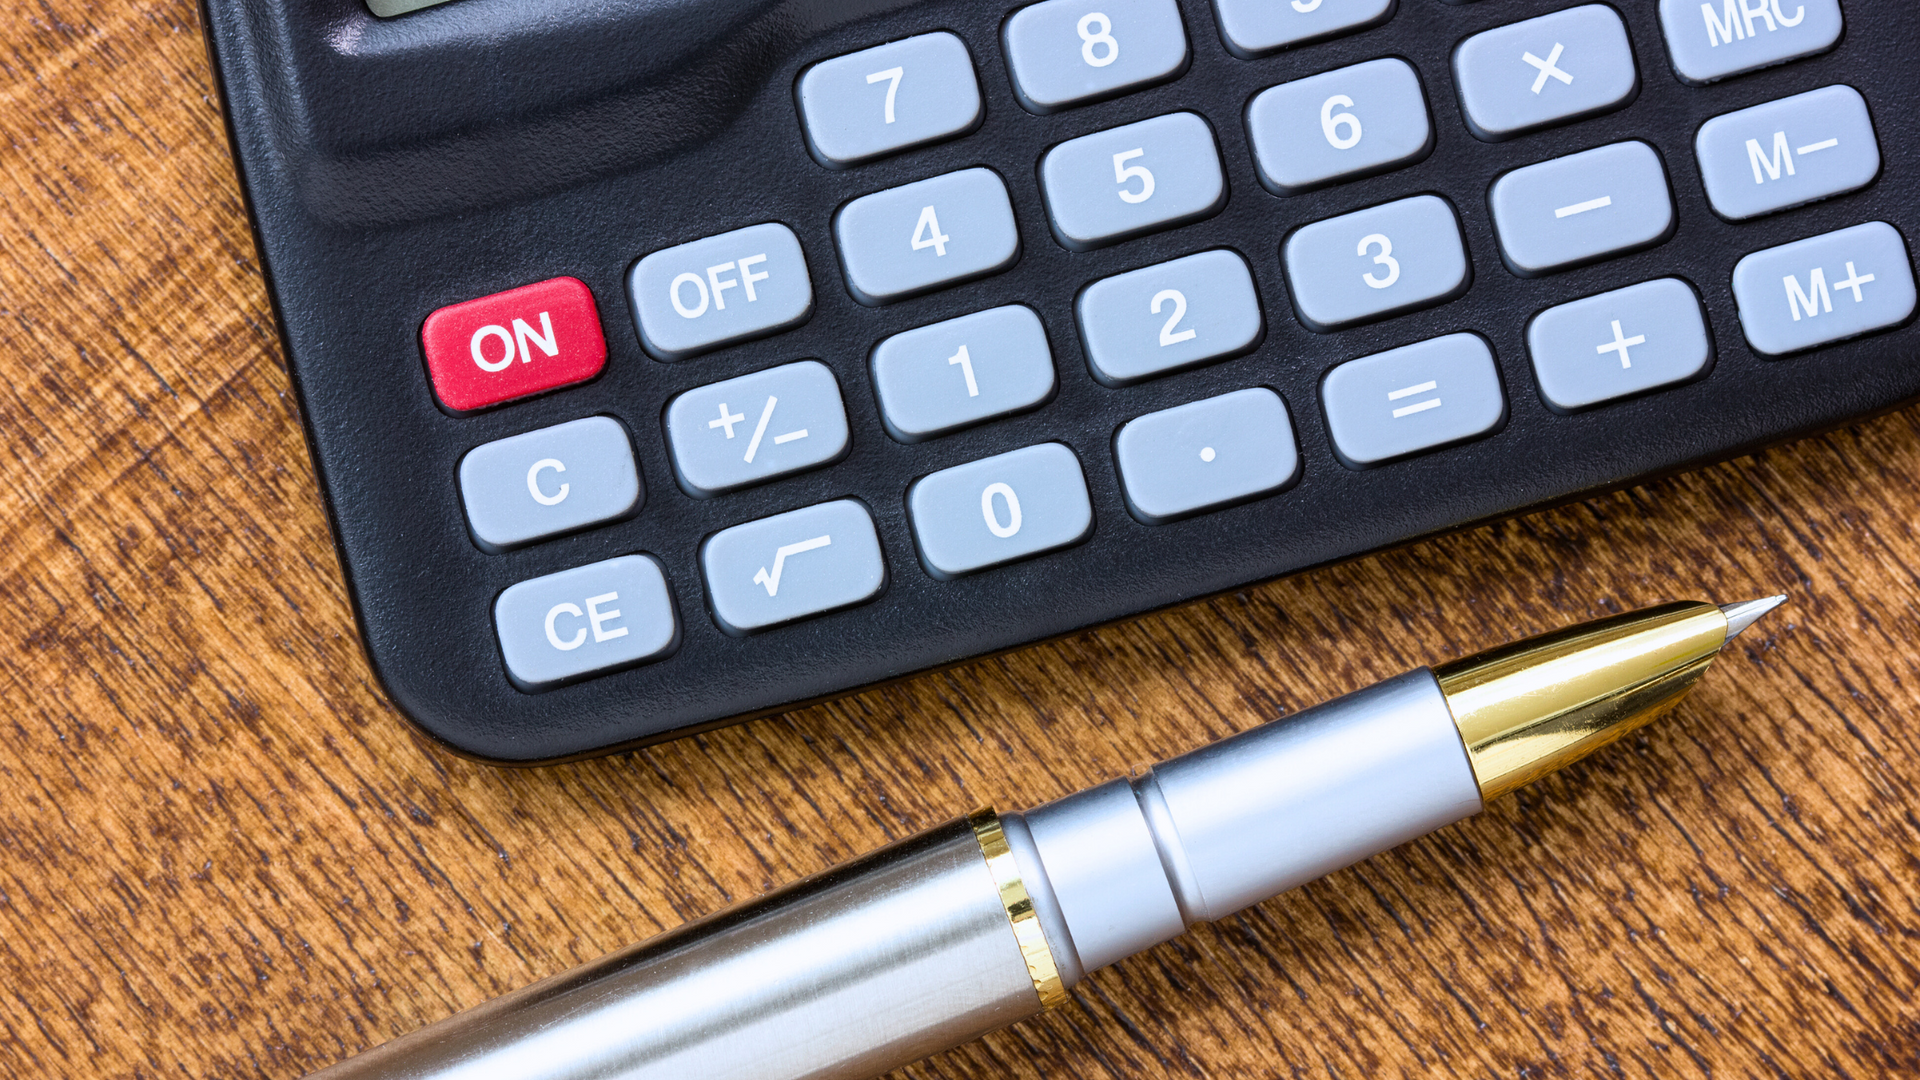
pixel 889 98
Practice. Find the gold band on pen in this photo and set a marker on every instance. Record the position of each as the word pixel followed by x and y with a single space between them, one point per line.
pixel 1019 906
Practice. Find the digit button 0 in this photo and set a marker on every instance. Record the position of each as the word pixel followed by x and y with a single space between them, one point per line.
pixel 1000 509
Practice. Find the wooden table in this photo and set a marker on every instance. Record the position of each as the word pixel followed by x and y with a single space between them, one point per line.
pixel 223 855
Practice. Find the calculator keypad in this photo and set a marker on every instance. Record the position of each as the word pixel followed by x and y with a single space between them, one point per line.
pixel 1374 263
pixel 1001 509
pixel 1111 185
pixel 1069 52
pixel 1710 41
pixel 756 428
pixel 548 482
pixel 1205 455
pixel 1169 316
pixel 1618 344
pixel 1582 207
pixel 1787 153
pixel 1407 400
pixel 1342 125
pixel 1824 289
pixel 1137 319
pixel 940 378
pixel 925 235
pixel 721 290
pixel 791 566
pixel 890 98
pixel 1551 70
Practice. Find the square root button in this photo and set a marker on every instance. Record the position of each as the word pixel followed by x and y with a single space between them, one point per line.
pixel 1411 399
pixel 585 621
pixel 792 566
pixel 1619 343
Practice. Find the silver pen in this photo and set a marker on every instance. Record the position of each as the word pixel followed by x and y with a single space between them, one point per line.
pixel 973 925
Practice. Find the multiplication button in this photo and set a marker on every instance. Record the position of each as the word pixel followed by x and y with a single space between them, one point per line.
pixel 1787 153
pixel 791 566
pixel 1824 289
pixel 585 621
pixel 999 509
pixel 1206 455
pixel 1411 399
pixel 1582 207
pixel 749 430
pixel 1551 70
pixel 543 483
pixel 1619 343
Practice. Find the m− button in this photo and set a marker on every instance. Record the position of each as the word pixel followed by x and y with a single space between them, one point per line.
pixel 1787 153
pixel 584 621
pixel 543 483
pixel 513 344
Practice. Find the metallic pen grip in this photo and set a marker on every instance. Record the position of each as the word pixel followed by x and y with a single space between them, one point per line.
pixel 847 974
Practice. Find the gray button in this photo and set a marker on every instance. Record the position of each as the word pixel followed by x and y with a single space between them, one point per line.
pixel 713 292
pixel 1410 399
pixel 946 376
pixel 1252 27
pixel 547 482
pixel 791 566
pixel 1064 52
pixel 1353 122
pixel 888 98
pixel 1619 343
pixel 1711 41
pixel 1208 454
pixel 1550 70
pixel 1582 207
pixel 1000 509
pixel 920 236
pixel 1170 316
pixel 1375 263
pixel 1787 153
pixel 589 619
pixel 752 429
pixel 1824 289
pixel 1113 184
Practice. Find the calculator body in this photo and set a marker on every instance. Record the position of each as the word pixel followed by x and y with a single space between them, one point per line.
pixel 575 518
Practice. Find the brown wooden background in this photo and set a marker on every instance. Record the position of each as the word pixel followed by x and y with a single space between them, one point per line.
pixel 221 854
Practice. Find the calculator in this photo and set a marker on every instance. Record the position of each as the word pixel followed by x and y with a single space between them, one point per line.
pixel 668 363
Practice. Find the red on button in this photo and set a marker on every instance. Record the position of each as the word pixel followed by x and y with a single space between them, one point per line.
pixel 514 343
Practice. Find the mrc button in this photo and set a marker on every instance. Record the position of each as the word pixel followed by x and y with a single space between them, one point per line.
pixel 512 344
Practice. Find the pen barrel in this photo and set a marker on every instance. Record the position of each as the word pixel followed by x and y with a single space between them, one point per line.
pixel 871 965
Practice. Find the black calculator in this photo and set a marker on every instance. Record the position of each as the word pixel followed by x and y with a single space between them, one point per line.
pixel 672 362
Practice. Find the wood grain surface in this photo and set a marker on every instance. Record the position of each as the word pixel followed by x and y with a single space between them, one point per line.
pixel 223 855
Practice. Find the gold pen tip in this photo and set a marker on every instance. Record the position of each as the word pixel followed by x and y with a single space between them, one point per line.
pixel 1747 612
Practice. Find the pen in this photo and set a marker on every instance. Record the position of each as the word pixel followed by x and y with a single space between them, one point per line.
pixel 987 920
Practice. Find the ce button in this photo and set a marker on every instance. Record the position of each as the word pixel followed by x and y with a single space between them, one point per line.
pixel 555 480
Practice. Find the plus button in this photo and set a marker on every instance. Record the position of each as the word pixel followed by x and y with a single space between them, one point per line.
pixel 1620 344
